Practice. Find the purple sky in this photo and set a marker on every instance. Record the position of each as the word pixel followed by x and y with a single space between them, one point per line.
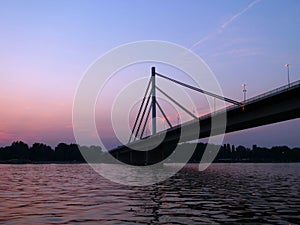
pixel 46 46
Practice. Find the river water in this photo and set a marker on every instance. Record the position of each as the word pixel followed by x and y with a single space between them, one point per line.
pixel 222 194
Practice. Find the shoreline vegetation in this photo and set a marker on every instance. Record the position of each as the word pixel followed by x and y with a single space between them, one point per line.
pixel 39 153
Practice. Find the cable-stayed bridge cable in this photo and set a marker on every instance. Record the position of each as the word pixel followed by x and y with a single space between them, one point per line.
pixel 142 118
pixel 147 117
pixel 177 103
pixel 140 109
pixel 166 118
pixel 201 90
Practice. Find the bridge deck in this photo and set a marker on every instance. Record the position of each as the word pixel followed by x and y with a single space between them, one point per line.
pixel 274 106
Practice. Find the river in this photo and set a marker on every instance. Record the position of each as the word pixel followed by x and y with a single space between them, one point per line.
pixel 241 193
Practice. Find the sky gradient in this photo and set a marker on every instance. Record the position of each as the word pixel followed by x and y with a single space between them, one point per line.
pixel 46 46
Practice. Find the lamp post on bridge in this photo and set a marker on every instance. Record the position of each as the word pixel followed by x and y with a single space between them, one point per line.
pixel 244 91
pixel 288 72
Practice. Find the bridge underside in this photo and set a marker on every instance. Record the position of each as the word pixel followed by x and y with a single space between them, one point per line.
pixel 271 109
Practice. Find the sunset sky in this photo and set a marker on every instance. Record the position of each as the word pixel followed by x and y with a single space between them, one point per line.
pixel 46 46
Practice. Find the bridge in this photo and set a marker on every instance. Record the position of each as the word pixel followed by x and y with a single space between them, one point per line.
pixel 271 107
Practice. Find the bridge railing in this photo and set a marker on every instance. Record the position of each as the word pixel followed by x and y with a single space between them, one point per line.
pixel 256 98
pixel 275 91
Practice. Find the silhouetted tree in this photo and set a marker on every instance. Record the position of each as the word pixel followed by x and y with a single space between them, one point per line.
pixel 92 153
pixel 41 152
pixel 75 154
pixel 61 152
pixel 18 150
pixel 64 152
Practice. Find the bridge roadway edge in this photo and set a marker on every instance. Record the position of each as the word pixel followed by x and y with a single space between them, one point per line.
pixel 278 107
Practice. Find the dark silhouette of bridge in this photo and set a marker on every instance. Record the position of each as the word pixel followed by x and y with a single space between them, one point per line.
pixel 271 107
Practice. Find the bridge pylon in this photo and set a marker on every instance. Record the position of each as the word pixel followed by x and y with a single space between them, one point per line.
pixel 153 103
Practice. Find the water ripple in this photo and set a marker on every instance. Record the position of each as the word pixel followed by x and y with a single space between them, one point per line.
pixel 223 194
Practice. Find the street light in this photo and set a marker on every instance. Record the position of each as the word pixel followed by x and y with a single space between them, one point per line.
pixel 244 90
pixel 288 72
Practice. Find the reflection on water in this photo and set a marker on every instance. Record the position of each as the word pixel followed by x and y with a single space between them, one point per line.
pixel 224 193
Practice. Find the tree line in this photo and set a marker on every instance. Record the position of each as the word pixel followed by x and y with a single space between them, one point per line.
pixel 39 152
pixel 20 152
pixel 230 153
